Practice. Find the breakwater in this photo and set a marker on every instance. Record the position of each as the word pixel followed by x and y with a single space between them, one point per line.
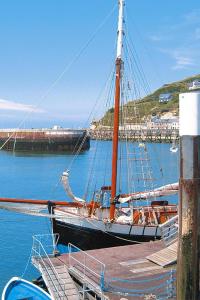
pixel 145 135
pixel 44 140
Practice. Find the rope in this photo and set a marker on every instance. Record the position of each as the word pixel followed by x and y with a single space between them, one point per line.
pixel 143 160
pixel 151 60
pixel 66 68
pixel 108 233
pixel 92 112
pixel 26 267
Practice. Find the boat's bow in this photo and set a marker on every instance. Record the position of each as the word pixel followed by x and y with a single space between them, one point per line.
pixel 18 288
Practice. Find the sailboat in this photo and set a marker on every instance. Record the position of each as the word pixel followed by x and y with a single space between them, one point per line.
pixel 95 224
pixel 112 216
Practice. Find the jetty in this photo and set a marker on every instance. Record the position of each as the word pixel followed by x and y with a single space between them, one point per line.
pixel 145 135
pixel 132 271
pixel 56 139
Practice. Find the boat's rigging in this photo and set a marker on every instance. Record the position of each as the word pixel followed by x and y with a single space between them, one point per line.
pixel 137 153
pixel 90 173
pixel 105 94
pixel 132 106
pixel 141 160
pixel 126 94
pixel 98 105
pixel 144 82
pixel 136 64
pixel 144 45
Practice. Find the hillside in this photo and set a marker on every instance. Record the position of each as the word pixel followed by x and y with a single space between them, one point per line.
pixel 150 106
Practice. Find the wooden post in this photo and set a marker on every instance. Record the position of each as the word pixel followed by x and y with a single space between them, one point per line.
pixel 189 206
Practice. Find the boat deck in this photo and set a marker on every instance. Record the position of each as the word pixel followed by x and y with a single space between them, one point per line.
pixel 127 271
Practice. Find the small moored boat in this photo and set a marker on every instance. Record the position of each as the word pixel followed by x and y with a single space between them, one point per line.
pixel 21 289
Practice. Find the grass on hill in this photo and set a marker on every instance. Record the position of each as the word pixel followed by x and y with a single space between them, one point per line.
pixel 150 105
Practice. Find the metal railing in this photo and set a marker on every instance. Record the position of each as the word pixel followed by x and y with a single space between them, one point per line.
pixel 88 267
pixel 160 286
pixel 41 257
pixel 48 241
pixel 92 273
pixel 169 230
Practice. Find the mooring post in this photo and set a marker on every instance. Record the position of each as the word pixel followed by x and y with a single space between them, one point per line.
pixel 189 204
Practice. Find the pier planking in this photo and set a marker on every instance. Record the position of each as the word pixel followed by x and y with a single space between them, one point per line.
pixel 125 262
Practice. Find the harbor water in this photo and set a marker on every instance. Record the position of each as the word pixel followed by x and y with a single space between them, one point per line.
pixel 37 176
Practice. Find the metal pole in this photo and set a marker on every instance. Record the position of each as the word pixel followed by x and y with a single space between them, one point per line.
pixel 189 206
pixel 120 29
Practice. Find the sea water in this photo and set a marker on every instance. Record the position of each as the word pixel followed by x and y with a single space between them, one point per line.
pixel 37 176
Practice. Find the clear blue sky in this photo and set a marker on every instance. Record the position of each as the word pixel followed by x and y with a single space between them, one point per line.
pixel 39 38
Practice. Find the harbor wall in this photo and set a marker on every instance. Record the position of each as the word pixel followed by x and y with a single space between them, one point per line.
pixel 44 141
pixel 145 135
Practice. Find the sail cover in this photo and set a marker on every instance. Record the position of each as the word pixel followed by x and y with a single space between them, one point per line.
pixel 166 190
pixel 29 209
pixel 65 182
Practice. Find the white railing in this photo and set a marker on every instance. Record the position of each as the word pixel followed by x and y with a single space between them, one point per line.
pixel 169 230
pixel 42 258
pixel 87 266
pixel 48 241
pixel 161 286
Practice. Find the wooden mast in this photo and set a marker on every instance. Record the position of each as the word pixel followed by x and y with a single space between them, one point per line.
pixel 117 108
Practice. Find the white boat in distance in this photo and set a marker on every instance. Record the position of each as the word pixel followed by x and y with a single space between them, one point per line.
pixel 174 147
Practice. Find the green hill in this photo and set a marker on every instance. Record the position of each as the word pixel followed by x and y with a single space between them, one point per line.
pixel 150 105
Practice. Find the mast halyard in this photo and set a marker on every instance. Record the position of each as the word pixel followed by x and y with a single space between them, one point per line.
pixel 117 107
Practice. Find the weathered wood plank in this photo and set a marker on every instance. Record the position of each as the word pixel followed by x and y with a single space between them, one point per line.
pixel 165 256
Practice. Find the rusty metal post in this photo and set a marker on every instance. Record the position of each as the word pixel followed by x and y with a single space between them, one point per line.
pixel 189 206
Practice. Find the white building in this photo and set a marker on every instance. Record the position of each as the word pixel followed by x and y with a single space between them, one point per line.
pixel 194 85
pixel 164 123
pixel 165 97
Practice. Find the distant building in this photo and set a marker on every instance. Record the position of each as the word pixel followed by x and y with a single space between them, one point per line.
pixel 165 97
pixel 133 126
pixel 194 85
pixel 164 123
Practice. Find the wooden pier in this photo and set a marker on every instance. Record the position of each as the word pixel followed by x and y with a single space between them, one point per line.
pixel 118 272
pixel 145 135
